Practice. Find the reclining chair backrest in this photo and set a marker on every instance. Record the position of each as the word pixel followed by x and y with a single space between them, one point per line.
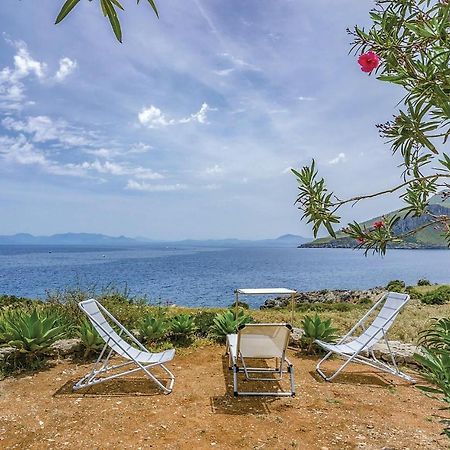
pixel 263 340
pixel 393 304
pixel 93 310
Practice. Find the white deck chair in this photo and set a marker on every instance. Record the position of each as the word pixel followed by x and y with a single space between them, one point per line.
pixel 260 341
pixel 351 347
pixel 140 357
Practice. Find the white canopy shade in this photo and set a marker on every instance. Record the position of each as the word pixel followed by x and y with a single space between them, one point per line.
pixel 265 291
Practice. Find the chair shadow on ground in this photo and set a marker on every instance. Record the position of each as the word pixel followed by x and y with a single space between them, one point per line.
pixel 365 378
pixel 245 405
pixel 119 387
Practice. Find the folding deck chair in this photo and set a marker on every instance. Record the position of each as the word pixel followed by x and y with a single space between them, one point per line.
pixel 140 357
pixel 351 347
pixel 260 341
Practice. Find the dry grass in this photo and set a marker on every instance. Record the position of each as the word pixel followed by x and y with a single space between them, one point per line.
pixel 406 328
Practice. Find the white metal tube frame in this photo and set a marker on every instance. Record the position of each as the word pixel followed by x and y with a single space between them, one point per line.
pixel 356 357
pixel 278 370
pixel 101 367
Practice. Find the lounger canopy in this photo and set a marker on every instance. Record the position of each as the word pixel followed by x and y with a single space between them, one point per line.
pixel 135 353
pixel 373 327
pixel 267 291
pixel 262 341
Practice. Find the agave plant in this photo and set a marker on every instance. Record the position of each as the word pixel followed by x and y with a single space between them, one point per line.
pixel 182 326
pixel 435 364
pixel 228 323
pixel 31 332
pixel 437 336
pixel 435 361
pixel 316 328
pixel 153 329
pixel 90 339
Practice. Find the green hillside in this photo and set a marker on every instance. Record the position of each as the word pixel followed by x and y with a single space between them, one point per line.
pixel 426 238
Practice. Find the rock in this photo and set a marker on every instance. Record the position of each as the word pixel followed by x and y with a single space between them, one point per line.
pixel 6 352
pixel 324 296
pixel 296 335
pixel 403 352
pixel 65 347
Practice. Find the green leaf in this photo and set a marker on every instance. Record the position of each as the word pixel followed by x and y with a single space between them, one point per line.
pixel 112 16
pixel 67 7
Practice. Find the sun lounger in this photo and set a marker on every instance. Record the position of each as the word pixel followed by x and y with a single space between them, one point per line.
pixel 135 354
pixel 359 348
pixel 262 342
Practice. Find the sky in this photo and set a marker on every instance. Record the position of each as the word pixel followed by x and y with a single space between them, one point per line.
pixel 190 127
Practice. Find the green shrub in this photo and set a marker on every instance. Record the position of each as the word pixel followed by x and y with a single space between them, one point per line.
pixel 204 320
pixel 90 339
pixel 316 328
pixel 13 301
pixel 396 286
pixel 241 304
pixel 413 292
pixel 435 362
pixel 437 336
pixel 228 323
pixel 182 327
pixel 153 329
pixel 437 296
pixel 31 332
pixel 423 282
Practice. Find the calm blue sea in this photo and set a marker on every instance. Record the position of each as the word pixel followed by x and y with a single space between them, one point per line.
pixel 208 276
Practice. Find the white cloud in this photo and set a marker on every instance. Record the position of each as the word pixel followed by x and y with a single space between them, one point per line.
pixel 200 116
pixel 224 72
pixel 66 67
pixel 214 170
pixel 44 129
pixel 140 147
pixel 147 187
pixel 240 63
pixel 153 117
pixel 12 87
pixel 25 64
pixel 339 158
pixel 118 169
pixel 19 150
pixel 306 99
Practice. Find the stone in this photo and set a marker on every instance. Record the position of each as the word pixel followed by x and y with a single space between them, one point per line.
pixel 324 296
pixel 6 352
pixel 403 352
pixel 296 335
pixel 65 347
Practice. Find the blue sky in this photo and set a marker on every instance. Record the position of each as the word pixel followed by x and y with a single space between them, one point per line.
pixel 188 129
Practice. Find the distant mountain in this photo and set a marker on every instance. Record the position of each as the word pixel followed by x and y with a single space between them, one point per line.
pixel 426 238
pixel 287 240
pixel 67 239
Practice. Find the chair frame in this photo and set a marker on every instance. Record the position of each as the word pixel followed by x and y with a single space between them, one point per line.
pixel 101 366
pixel 233 364
pixel 371 359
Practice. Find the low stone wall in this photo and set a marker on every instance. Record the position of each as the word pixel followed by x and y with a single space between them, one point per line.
pixel 325 296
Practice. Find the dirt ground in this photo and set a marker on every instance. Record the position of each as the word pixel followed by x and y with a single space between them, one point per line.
pixel 360 409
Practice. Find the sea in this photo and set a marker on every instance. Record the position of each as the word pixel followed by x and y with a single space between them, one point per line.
pixel 206 276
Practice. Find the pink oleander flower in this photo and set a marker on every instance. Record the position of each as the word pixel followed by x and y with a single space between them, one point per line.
pixel 369 61
pixel 361 240
pixel 378 225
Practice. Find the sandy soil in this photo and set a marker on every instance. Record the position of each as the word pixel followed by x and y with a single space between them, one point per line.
pixel 359 410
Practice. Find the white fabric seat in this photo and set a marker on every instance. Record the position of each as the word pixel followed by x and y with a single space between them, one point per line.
pixel 350 347
pixel 139 356
pixel 260 341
